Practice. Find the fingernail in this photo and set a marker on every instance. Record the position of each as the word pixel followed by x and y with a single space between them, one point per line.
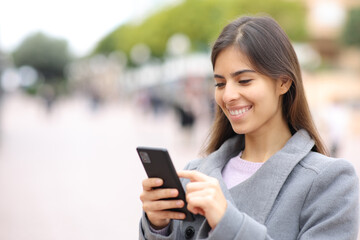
pixel 158 181
pixel 174 192
pixel 179 203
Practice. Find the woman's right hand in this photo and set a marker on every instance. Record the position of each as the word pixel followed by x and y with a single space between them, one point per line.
pixel 154 205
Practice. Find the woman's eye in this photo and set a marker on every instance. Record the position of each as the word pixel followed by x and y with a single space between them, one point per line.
pixel 245 81
pixel 219 84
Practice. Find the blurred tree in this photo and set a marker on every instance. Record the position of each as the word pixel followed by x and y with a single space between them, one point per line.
pixel 351 34
pixel 4 61
pixel 47 55
pixel 201 21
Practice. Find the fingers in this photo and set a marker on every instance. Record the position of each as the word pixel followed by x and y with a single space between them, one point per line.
pixel 159 210
pixel 199 186
pixel 150 183
pixel 199 198
pixel 196 210
pixel 162 205
pixel 194 176
pixel 157 194
pixel 196 206
pixel 158 202
pixel 158 199
pixel 158 215
pixel 203 198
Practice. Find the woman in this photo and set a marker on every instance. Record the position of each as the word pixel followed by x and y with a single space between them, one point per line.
pixel 266 175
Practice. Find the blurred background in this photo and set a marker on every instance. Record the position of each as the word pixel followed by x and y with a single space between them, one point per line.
pixel 84 83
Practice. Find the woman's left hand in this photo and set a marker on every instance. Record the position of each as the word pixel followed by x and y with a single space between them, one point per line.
pixel 204 196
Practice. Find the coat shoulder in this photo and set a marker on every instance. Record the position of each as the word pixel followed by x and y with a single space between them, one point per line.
pixel 318 163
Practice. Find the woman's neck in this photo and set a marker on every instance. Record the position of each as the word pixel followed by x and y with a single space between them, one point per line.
pixel 262 144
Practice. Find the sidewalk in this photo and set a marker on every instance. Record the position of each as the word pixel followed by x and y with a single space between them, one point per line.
pixel 75 174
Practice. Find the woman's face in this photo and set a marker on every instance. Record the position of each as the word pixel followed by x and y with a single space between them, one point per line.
pixel 249 100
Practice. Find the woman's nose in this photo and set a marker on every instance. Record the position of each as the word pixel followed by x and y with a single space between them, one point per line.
pixel 231 93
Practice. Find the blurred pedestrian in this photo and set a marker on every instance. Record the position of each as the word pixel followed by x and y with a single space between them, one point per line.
pixel 186 116
pixel 337 120
pixel 266 174
pixel 48 94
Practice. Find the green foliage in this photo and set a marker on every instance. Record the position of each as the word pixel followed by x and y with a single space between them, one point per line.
pixel 351 34
pixel 201 21
pixel 47 55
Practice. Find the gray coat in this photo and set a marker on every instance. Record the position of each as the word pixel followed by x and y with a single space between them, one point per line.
pixel 296 194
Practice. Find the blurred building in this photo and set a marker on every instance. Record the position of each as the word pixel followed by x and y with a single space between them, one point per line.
pixel 325 22
pixel 97 77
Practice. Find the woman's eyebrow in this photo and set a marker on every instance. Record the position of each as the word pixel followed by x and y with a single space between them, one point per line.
pixel 218 76
pixel 234 74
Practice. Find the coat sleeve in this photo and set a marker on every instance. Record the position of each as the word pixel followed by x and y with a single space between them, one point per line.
pixel 146 234
pixel 331 209
pixel 235 225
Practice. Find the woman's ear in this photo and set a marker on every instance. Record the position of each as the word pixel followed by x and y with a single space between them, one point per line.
pixel 284 84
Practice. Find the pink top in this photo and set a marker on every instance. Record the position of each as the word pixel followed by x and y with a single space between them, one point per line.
pixel 238 170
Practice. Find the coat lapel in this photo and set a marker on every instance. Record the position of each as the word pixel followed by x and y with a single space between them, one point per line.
pixel 213 164
pixel 256 196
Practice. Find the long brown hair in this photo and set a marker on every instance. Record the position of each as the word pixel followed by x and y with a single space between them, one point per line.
pixel 270 52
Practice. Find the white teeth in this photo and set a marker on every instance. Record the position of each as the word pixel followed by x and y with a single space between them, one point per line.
pixel 239 111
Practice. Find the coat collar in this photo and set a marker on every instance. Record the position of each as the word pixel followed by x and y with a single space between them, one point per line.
pixel 256 195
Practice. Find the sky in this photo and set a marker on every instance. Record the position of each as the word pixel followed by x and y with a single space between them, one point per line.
pixel 82 23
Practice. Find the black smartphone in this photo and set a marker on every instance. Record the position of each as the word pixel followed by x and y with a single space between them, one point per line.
pixel 157 163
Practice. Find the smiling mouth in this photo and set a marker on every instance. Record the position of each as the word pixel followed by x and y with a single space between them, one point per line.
pixel 240 111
